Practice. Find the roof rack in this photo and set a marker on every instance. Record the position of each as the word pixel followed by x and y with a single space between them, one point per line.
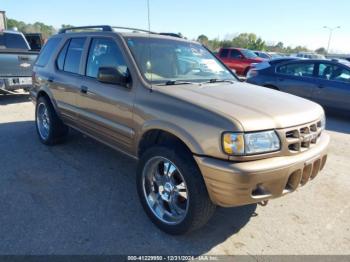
pixel 104 28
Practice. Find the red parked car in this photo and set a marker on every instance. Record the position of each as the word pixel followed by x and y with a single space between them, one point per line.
pixel 238 59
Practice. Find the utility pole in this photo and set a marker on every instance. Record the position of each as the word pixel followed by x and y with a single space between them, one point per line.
pixel 331 29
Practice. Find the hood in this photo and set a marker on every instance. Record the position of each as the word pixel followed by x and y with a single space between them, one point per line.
pixel 253 107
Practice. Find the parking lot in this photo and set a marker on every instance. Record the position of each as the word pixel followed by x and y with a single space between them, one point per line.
pixel 80 198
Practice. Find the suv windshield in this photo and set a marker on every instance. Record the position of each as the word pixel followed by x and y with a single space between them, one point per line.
pixel 163 60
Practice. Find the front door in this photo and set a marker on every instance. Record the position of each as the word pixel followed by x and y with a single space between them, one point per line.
pixel 106 110
pixel 297 78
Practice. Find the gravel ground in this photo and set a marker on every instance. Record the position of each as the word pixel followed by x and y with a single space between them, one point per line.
pixel 80 198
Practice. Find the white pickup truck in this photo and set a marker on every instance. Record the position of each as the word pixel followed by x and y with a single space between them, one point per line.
pixel 16 60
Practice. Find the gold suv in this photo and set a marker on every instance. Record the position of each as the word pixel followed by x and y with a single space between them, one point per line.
pixel 202 137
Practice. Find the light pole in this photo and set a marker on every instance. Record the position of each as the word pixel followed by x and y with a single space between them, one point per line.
pixel 331 29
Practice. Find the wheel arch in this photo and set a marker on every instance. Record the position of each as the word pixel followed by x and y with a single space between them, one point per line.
pixel 48 95
pixel 162 133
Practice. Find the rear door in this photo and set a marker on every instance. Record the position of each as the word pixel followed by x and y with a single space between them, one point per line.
pixel 65 82
pixel 297 78
pixel 106 110
pixel 334 86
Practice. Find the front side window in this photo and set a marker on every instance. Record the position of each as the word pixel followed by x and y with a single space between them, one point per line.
pixel 73 56
pixel 334 72
pixel 297 69
pixel 162 60
pixel 235 54
pixel 104 52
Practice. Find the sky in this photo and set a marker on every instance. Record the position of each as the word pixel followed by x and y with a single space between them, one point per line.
pixel 294 22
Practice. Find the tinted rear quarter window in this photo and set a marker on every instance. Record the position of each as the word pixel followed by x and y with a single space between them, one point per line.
pixel 74 53
pixel 62 56
pixel 47 51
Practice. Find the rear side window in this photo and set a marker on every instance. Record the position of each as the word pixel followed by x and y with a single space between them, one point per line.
pixel 224 53
pixel 47 51
pixel 73 56
pixel 297 69
pixel 15 41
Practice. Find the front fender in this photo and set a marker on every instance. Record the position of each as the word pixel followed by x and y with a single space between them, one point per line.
pixel 175 130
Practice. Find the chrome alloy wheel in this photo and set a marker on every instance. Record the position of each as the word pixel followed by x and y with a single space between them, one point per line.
pixel 165 190
pixel 43 121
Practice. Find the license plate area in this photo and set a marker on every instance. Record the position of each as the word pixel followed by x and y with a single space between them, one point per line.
pixel 19 81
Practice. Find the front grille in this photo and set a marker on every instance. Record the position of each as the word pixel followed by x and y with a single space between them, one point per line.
pixel 302 138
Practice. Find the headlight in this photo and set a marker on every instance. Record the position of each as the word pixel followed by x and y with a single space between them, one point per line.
pixel 250 143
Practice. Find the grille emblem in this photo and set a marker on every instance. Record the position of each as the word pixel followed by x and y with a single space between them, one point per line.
pixel 308 137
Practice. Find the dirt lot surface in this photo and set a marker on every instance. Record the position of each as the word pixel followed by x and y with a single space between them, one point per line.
pixel 80 198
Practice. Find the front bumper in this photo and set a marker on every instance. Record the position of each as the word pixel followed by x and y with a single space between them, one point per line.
pixel 240 183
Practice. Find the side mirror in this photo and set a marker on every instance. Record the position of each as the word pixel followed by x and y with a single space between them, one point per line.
pixel 111 75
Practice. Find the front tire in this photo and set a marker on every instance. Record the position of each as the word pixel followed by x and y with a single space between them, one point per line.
pixel 49 126
pixel 172 190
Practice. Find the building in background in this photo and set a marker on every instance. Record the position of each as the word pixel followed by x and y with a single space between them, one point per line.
pixel 2 20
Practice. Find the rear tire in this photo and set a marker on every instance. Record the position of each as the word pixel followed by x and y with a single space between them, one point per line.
pixel 193 206
pixel 49 126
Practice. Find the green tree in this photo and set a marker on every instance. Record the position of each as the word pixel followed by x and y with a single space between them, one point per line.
pixel 37 27
pixel 249 41
pixel 203 39
pixel 321 51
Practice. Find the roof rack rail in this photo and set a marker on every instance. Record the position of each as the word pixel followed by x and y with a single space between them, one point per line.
pixel 104 28
pixel 134 29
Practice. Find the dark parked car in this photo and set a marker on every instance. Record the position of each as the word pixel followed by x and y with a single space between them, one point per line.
pixel 324 81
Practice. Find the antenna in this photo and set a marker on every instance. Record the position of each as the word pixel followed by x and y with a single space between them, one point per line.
pixel 149 38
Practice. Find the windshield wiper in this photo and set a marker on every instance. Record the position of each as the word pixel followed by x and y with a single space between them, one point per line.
pixel 176 82
pixel 215 80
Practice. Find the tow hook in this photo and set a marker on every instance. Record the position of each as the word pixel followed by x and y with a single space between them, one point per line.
pixel 263 203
